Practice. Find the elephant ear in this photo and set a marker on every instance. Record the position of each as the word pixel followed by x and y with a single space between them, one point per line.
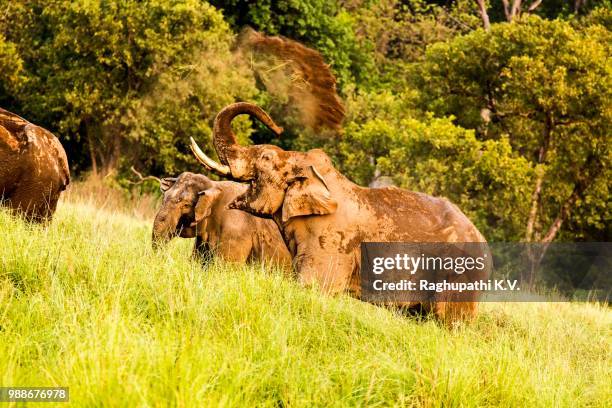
pixel 206 199
pixel 166 183
pixel 308 195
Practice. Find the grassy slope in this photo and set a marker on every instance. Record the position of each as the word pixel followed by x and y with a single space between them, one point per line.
pixel 86 304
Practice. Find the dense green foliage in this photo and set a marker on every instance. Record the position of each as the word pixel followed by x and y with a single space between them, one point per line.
pixel 11 66
pixel 433 101
pixel 322 24
pixel 107 74
pixel 86 303
pixel 546 88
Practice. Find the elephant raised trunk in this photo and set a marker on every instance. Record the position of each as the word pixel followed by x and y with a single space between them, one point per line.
pixel 225 142
pixel 224 139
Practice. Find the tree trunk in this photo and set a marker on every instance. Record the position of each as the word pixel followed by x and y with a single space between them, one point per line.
pixel 537 191
pixel 536 254
pixel 578 5
pixel 534 5
pixel 482 7
pixel 578 192
pixel 535 257
pixel 92 149
pixel 514 10
pixel 533 212
pixel 111 160
pixel 507 10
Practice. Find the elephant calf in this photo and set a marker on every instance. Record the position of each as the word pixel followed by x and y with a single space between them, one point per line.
pixel 33 167
pixel 196 207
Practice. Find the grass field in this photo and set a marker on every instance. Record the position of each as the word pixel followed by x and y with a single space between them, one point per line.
pixel 85 303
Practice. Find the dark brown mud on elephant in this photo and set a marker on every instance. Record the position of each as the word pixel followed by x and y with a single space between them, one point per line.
pixel 196 207
pixel 312 203
pixel 33 168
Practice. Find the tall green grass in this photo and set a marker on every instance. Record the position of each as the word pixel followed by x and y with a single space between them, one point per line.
pixel 85 303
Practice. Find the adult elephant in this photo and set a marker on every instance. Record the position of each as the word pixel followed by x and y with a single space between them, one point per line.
pixel 33 167
pixel 196 207
pixel 323 216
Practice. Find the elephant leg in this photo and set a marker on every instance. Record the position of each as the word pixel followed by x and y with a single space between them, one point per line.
pixel 201 250
pixel 52 206
pixel 453 306
pixel 453 312
pixel 332 273
pixel 235 249
pixel 34 202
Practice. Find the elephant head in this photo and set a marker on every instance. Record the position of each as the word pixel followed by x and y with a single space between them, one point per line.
pixel 187 202
pixel 282 184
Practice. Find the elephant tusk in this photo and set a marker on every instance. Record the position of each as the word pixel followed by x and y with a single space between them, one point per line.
pixel 207 161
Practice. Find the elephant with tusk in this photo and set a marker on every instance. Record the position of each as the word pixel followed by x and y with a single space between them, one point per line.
pixel 196 207
pixel 323 216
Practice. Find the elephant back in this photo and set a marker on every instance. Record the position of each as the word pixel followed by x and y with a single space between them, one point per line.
pixel 50 154
pixel 13 123
pixel 12 131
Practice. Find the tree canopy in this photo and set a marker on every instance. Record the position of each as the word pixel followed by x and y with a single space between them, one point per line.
pixel 545 86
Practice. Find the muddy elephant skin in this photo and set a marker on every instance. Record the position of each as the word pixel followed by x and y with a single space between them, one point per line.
pixel 33 168
pixel 196 207
pixel 324 217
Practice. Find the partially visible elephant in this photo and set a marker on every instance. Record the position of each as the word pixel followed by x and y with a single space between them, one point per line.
pixel 196 207
pixel 33 168
pixel 324 217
